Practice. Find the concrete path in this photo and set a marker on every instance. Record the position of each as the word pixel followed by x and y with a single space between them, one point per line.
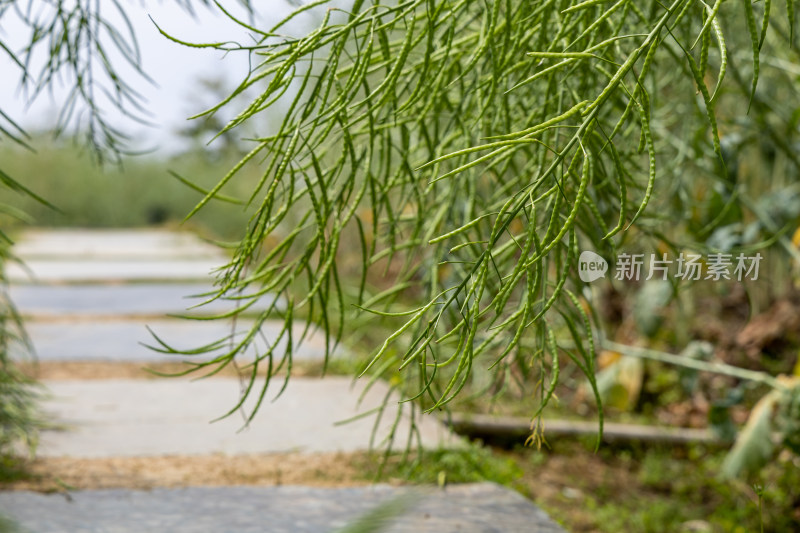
pixel 89 296
pixel 99 321
pixel 134 418
pixel 113 243
pixel 474 508
pixel 128 339
pixel 149 299
pixel 70 256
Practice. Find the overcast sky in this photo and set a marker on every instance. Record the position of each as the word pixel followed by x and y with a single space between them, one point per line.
pixel 176 68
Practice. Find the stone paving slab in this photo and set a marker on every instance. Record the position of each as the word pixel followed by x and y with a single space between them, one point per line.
pixel 112 244
pixel 139 299
pixel 128 339
pixel 472 508
pixel 131 418
pixel 112 270
pixel 107 256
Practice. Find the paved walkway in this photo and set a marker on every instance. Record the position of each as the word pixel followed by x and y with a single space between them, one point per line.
pixel 77 256
pixel 86 300
pixel 475 508
pixel 129 418
pixel 89 295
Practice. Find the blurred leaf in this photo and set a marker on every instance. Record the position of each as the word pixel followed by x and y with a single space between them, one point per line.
pixel 694 350
pixel 725 238
pixel 620 383
pixel 783 205
pixel 607 358
pixel 380 517
pixel 649 306
pixel 9 525
pixel 788 419
pixel 719 416
pixel 721 423
pixel 751 233
pixel 754 446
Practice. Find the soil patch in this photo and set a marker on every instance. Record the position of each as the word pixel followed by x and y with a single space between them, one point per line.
pixel 76 370
pixel 316 470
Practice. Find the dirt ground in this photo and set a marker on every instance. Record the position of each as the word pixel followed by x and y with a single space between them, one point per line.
pixel 319 470
pixel 58 370
pixel 562 482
